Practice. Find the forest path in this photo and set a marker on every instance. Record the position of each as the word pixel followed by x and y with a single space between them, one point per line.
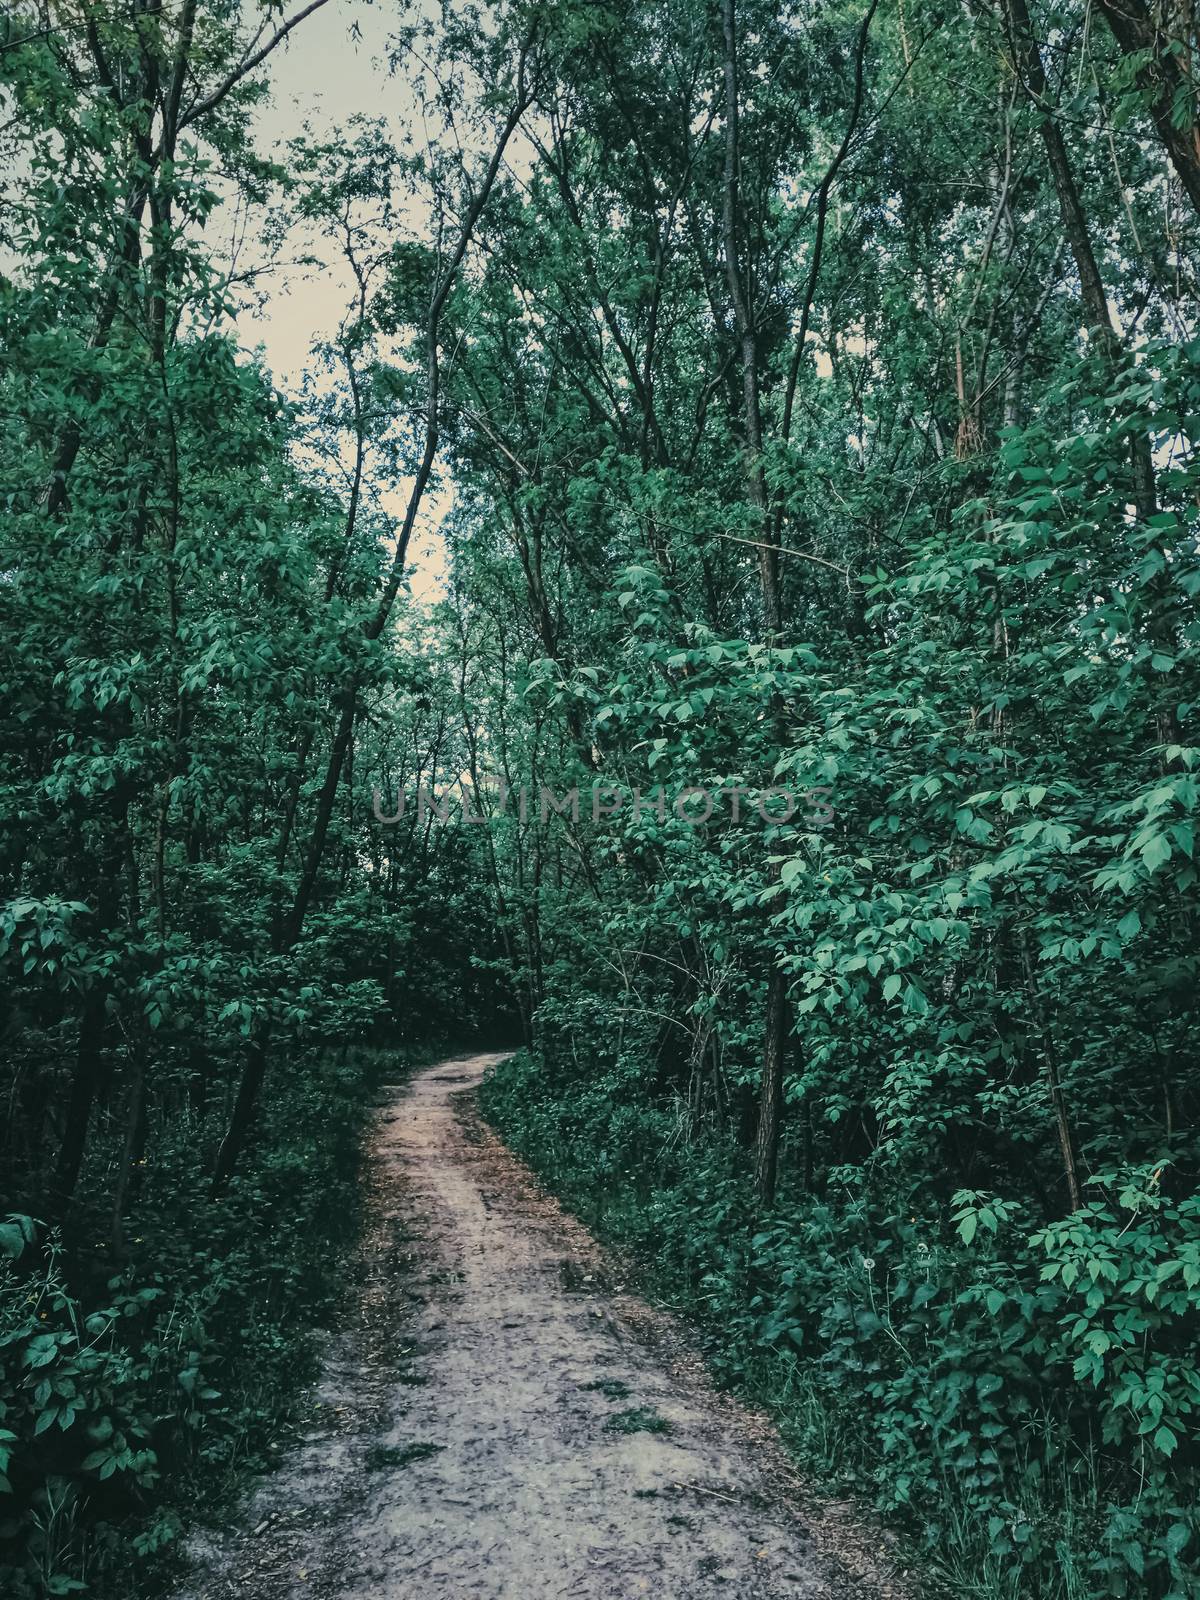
pixel 471 1434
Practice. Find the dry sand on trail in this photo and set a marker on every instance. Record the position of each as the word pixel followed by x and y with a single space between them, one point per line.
pixel 472 1434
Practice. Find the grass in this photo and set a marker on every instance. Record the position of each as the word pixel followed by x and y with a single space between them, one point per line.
pixel 638 1419
pixel 610 1388
pixel 383 1457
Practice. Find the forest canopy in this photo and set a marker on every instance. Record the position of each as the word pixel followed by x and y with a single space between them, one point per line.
pixel 807 396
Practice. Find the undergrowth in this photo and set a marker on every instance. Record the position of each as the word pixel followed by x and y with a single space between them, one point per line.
pixel 971 1375
pixel 133 1392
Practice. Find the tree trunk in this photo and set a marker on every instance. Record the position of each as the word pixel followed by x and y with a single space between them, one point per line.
pixel 134 1140
pixel 770 1112
pixel 89 1070
pixel 776 1020
pixel 743 310
pixel 1095 300
pixel 242 1119
pixel 1058 1104
pixel 1136 30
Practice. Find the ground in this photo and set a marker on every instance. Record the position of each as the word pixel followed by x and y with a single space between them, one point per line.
pixel 502 1419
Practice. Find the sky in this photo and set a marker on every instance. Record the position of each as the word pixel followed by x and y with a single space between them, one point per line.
pixel 321 75
pixel 332 66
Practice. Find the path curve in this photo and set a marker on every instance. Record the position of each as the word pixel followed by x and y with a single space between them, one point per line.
pixel 471 1438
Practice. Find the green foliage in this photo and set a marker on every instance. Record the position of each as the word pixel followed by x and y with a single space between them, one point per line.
pixel 638 1419
pixel 195 946
pixel 962 1376
pixel 849 446
pixel 610 1388
pixel 128 1397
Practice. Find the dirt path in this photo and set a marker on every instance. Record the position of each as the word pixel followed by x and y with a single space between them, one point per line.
pixel 473 1435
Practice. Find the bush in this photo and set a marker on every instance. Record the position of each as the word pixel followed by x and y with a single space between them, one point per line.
pixel 130 1393
pixel 1019 1397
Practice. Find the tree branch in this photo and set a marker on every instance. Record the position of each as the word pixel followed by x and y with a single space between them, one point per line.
pixel 201 107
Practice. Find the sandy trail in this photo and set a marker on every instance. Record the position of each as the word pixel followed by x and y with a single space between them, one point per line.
pixel 471 1436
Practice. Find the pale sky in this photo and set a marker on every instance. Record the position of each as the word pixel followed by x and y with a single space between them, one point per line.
pixel 321 75
pixel 330 68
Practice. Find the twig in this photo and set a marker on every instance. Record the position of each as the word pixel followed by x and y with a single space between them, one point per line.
pixel 247 65
pixel 698 1488
pixel 785 550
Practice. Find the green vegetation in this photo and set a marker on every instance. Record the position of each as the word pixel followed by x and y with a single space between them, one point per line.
pixel 610 1388
pixel 638 1419
pixel 135 1389
pixel 381 1457
pixel 199 950
pixel 808 396
pixel 935 1370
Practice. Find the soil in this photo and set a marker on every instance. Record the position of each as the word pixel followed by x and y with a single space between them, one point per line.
pixel 500 1418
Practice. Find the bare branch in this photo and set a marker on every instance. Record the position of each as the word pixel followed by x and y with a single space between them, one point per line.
pixel 783 550
pixel 201 107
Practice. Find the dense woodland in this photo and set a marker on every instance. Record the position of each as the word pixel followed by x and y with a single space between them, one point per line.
pixel 808 394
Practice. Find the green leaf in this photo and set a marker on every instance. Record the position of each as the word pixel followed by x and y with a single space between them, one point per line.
pixel 1156 852
pixel 12 1240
